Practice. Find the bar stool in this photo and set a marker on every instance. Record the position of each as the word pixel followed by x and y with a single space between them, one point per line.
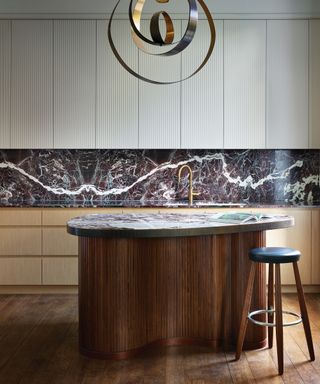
pixel 274 256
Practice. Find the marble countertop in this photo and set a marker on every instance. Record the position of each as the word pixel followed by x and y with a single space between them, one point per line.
pixel 146 204
pixel 171 224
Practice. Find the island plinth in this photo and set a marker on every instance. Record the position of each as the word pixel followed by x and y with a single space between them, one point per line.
pixel 148 279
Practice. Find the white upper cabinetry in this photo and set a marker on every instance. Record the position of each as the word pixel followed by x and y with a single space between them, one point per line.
pixel 314 139
pixel 62 87
pixel 202 95
pixel 32 84
pixel 287 79
pixel 5 54
pixel 244 68
pixel 159 105
pixel 117 90
pixel 74 83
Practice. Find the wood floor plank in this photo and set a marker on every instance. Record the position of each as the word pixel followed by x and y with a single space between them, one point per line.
pixel 262 366
pixel 39 345
pixel 240 370
pixel 17 322
pixel 308 369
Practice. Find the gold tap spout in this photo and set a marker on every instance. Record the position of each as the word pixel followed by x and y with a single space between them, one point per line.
pixel 191 192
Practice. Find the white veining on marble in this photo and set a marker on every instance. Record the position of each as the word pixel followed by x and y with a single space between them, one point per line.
pixel 298 189
pixel 162 221
pixel 167 194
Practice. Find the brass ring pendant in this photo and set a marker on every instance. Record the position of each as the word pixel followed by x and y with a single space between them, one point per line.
pixel 179 48
pixel 139 39
pixel 155 30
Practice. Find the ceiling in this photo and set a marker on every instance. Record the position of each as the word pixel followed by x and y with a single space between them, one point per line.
pixel 311 7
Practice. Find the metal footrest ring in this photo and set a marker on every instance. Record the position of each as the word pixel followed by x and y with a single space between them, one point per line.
pixel 258 312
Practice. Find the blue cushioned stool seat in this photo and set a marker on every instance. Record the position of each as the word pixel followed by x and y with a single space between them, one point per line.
pixel 274 255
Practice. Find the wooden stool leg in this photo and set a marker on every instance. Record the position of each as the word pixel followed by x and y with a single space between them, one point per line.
pixel 303 310
pixel 270 305
pixel 279 321
pixel 245 311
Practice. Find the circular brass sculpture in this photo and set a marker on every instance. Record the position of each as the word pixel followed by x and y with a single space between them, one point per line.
pixel 142 41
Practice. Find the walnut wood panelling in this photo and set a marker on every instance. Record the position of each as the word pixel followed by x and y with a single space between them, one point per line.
pixel 117 90
pixel 314 83
pixel 240 267
pixel 287 84
pixel 22 241
pixel 32 84
pixel 20 217
pixel 244 82
pixel 159 106
pixel 133 292
pixel 60 271
pixel 56 242
pixel 202 95
pixel 20 271
pixel 5 72
pixel 74 83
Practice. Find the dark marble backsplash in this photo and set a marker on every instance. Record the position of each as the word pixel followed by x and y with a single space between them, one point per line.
pixel 224 176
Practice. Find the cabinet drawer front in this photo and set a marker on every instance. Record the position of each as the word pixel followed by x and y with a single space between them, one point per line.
pixel 20 271
pixel 20 241
pixel 56 242
pixel 60 270
pixel 20 217
pixel 61 216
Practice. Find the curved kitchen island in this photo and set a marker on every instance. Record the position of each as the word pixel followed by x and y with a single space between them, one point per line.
pixel 147 279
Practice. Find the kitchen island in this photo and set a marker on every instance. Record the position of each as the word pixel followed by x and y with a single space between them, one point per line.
pixel 147 279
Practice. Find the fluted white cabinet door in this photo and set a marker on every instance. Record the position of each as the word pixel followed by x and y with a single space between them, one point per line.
pixel 32 84
pixel 314 82
pixel 74 83
pixel 287 89
pixel 5 62
pixel 244 82
pixel 117 90
pixel 202 95
pixel 159 105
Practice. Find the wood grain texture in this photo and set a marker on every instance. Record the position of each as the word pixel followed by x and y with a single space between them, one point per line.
pixel 315 247
pixel 60 271
pixel 39 344
pixel 20 217
pixel 56 242
pixel 136 292
pixel 21 241
pixel 20 270
pixel 297 237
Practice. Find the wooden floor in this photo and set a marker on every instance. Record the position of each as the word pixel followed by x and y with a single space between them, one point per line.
pixel 38 344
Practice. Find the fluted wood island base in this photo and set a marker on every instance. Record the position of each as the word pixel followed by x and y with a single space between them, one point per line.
pixel 164 285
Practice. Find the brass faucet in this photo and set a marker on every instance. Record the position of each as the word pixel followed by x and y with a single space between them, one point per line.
pixel 191 193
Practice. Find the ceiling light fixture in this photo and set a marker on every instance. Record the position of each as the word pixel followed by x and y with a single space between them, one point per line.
pixel 175 47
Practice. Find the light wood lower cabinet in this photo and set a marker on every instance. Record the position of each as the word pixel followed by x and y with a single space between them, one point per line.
pixel 298 237
pixel 60 271
pixel 20 271
pixel 315 246
pixel 36 250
